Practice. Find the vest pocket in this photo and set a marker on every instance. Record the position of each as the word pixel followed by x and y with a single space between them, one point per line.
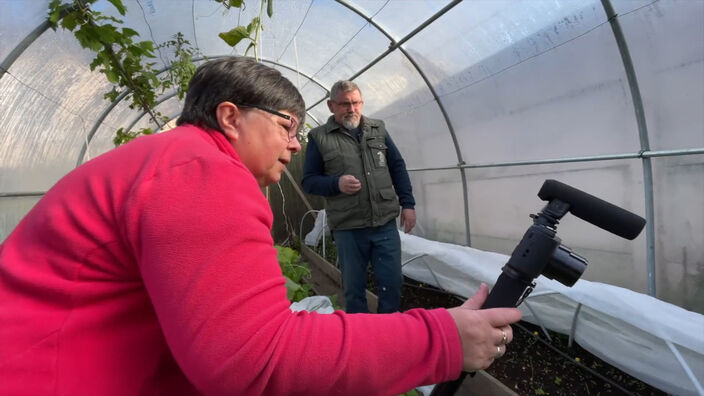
pixel 387 194
pixel 388 205
pixel 378 150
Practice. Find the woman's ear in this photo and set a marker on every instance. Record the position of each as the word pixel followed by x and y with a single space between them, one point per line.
pixel 228 116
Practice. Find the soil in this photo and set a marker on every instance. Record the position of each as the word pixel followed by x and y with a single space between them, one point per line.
pixel 533 365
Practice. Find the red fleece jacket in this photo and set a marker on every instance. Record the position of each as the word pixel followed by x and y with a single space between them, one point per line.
pixel 151 270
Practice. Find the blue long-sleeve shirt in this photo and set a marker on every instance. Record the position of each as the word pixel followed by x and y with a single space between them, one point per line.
pixel 316 182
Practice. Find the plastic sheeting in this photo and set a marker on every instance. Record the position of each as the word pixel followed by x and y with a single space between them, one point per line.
pixel 319 229
pixel 511 91
pixel 652 340
pixel 486 84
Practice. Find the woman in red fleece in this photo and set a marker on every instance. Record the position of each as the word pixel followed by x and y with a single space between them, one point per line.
pixel 151 270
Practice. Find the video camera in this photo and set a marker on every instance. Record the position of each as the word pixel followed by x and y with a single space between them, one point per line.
pixel 541 252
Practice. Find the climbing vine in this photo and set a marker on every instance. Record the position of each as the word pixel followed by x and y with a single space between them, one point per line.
pixel 126 62
pixel 182 67
pixel 253 29
pixel 117 55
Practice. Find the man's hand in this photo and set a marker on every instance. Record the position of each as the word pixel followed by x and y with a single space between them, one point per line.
pixel 482 330
pixel 408 219
pixel 349 184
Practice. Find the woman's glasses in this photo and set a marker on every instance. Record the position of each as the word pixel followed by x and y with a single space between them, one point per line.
pixel 292 130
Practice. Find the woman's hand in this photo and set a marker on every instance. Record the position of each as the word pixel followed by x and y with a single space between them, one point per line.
pixel 484 332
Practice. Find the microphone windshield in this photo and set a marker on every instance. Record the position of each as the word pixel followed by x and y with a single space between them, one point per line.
pixel 594 210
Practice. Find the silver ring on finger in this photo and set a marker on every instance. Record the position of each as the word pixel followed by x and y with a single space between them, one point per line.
pixel 498 352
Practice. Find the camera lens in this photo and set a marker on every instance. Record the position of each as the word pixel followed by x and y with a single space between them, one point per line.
pixel 565 266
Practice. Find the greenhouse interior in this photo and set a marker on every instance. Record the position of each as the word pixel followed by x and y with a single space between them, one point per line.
pixel 490 103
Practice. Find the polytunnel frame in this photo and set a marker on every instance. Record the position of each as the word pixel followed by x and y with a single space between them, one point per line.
pixel 644 154
pixel 394 45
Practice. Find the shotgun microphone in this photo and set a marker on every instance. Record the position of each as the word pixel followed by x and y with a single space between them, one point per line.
pixel 594 210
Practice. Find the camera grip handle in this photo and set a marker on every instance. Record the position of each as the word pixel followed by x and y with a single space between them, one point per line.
pixel 506 293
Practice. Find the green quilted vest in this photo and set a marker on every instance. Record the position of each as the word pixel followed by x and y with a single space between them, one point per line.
pixel 376 203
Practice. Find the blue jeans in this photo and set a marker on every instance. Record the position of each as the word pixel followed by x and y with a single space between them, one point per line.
pixel 355 249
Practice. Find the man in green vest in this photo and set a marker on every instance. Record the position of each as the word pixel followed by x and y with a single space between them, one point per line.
pixel 352 162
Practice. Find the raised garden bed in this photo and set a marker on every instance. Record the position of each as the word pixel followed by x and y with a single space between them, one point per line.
pixel 532 365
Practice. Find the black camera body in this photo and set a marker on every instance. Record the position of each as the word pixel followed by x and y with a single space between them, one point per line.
pixel 540 252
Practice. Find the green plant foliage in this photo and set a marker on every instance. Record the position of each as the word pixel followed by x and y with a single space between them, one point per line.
pixel 231 3
pixel 121 59
pixel 295 291
pixel 235 35
pixel 120 7
pixel 333 301
pixel 294 271
pixel 122 137
pixel 182 67
pixel 124 60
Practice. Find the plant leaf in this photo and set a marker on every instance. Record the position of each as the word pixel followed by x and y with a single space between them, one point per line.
pixel 234 36
pixel 120 7
pixel 86 37
pixel 286 255
pixel 252 26
pixel 69 22
pixel 127 32
pixel 291 288
pixel 54 12
pixel 107 33
pixel 112 76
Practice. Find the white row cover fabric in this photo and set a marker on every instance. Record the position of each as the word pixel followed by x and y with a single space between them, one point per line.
pixel 319 304
pixel 654 341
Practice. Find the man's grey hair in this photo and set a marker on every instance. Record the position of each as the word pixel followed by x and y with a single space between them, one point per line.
pixel 343 86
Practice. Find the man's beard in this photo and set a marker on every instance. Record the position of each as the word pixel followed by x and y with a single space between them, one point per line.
pixel 350 122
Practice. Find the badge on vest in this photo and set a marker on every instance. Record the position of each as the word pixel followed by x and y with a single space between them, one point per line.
pixel 380 159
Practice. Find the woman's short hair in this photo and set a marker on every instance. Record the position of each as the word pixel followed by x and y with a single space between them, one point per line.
pixel 238 80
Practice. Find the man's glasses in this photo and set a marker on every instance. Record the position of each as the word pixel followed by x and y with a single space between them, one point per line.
pixel 356 103
pixel 292 130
